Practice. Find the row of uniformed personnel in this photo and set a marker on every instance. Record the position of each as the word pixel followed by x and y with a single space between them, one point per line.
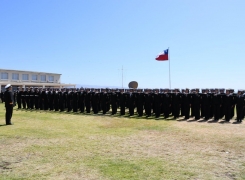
pixel 209 104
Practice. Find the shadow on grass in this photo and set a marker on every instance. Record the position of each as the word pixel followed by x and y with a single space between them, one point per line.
pixel 108 114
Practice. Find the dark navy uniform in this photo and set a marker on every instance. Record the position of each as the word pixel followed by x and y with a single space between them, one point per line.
pixel 18 95
pixel 148 102
pixel 157 103
pixel 31 98
pixel 69 101
pixel 239 106
pixel 75 101
pixel 216 105
pixel 96 101
pixel 186 98
pixel 36 98
pixel 131 102
pixel 88 99
pixel 56 100
pixel 140 102
pixel 104 101
pixel 51 99
pixel 114 100
pixel 176 102
pixel 9 104
pixel 122 99
pixel 27 97
pixel 206 104
pixel 81 100
pixel 166 103
pixel 62 100
pixel 228 102
pixel 197 104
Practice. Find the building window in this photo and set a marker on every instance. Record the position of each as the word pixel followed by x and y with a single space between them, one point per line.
pixel 51 78
pixel 43 77
pixel 4 76
pixel 15 76
pixel 25 77
pixel 34 77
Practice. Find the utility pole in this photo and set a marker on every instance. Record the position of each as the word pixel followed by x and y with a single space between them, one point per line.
pixel 122 75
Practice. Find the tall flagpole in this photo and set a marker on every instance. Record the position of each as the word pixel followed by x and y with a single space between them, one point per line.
pixel 122 77
pixel 169 70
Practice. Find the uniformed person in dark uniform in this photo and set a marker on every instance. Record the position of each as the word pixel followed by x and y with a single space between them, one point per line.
pixel 222 107
pixel 157 103
pixel 31 98
pixel 140 102
pixel 15 96
pixel 166 102
pixel 148 102
pixel 227 105
pixel 186 98
pixel 118 98
pixel 176 103
pixel 96 101
pixel 216 103
pixel 18 95
pixel 9 103
pixel 197 104
pixel 109 99
pixel 234 96
pixel 62 100
pixel 36 98
pixel 44 100
pixel 69 100
pixel 193 92
pixel 81 100
pixel 205 105
pixel 104 100
pixel 88 100
pixel 161 97
pixel 131 102
pixel 240 102
pixel 51 99
pixel 74 100
pixel 65 95
pixel 1 96
pixel 202 114
pixel 211 94
pixel 41 106
pixel 171 107
pixel 243 114
pixel 56 99
pixel 182 102
pixel 122 98
pixel 27 96
pixel 114 97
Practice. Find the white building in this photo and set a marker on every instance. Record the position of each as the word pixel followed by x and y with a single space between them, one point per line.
pixel 30 79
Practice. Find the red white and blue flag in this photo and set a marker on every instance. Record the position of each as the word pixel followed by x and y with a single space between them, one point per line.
pixel 163 56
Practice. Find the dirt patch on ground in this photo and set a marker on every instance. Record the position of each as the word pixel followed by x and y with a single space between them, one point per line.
pixel 208 149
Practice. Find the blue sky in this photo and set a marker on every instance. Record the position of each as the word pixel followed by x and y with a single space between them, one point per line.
pixel 89 41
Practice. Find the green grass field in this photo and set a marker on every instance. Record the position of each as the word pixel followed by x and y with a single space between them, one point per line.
pixel 52 145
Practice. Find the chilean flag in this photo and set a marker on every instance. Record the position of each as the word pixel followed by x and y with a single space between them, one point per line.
pixel 163 56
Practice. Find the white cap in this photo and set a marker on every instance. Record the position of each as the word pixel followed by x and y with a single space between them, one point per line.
pixel 7 86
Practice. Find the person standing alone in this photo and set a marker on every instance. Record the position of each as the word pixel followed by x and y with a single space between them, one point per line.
pixel 9 103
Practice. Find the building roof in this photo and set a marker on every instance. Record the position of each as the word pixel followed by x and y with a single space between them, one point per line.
pixel 37 84
pixel 35 72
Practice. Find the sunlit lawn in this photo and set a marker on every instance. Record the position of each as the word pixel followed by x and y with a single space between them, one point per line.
pixel 53 145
